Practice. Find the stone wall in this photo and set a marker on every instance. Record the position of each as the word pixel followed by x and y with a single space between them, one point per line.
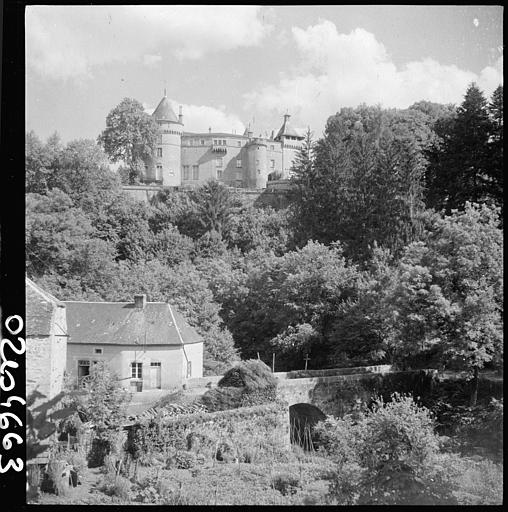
pixel 38 364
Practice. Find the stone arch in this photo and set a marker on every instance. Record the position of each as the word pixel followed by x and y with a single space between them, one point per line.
pixel 302 418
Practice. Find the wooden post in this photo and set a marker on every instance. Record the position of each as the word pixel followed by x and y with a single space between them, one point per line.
pixel 273 362
pixel 306 359
pixel 258 356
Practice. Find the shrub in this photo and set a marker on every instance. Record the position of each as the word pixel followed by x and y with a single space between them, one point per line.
pixel 56 479
pixel 286 483
pixel 34 479
pixel 116 485
pixel 385 456
pixel 220 399
pixel 251 375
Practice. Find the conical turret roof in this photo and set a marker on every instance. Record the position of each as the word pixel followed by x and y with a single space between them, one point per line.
pixel 164 112
pixel 287 130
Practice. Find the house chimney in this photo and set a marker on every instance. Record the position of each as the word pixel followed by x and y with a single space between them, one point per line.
pixel 140 301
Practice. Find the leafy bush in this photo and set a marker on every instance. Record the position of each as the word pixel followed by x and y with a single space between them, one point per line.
pixel 385 456
pixel 286 484
pixel 251 375
pixel 116 485
pixel 55 478
pixel 223 398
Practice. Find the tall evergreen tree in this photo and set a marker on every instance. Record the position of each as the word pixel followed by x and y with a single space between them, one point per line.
pixel 495 182
pixel 459 167
pixel 363 185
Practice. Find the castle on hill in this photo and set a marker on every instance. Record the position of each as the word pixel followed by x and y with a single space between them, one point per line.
pixel 189 159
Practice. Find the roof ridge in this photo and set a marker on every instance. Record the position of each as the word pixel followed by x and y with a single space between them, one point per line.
pixel 47 296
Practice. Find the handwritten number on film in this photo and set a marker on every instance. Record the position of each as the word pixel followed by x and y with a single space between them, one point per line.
pixel 6 417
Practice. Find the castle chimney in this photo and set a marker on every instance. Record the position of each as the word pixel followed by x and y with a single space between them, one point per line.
pixel 286 117
pixel 140 301
pixel 180 115
pixel 210 129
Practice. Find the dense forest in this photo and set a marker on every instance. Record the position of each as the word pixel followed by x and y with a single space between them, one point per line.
pixel 389 251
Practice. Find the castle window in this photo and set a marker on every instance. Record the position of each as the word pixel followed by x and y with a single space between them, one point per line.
pixel 202 142
pixel 191 142
pixel 239 143
pixel 186 172
pixel 159 152
pixel 195 172
pixel 239 163
pixel 215 142
pixel 223 142
pixel 218 162
pixel 219 174
pixel 171 172
pixel 97 351
pixel 158 172
pixel 272 164
pixel 272 148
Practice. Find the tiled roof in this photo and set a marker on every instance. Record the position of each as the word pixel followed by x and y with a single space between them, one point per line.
pixel 122 323
pixel 164 112
pixel 287 130
pixel 40 306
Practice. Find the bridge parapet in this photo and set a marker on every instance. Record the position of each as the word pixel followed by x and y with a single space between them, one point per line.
pixel 302 374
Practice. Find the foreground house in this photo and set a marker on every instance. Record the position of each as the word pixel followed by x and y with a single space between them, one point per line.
pixel 46 341
pixel 148 344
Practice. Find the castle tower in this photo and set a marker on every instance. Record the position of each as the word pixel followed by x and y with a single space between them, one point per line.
pixel 291 142
pixel 165 166
pixel 255 163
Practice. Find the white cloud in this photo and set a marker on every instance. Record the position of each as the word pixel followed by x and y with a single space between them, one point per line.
pixel 66 41
pixel 343 70
pixel 198 118
pixel 151 60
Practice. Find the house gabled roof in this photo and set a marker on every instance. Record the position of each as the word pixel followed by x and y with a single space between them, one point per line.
pixel 122 323
pixel 164 112
pixel 40 307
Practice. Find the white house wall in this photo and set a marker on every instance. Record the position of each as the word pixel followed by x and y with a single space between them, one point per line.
pixel 120 357
pixel 194 354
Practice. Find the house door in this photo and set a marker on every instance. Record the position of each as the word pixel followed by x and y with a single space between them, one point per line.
pixel 155 375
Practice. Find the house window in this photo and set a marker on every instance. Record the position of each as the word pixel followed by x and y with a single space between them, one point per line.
pixel 136 370
pixel 218 162
pixel 158 172
pixel 272 164
pixel 159 152
pixel 189 369
pixel 238 164
pixel 97 351
pixel 186 172
pixel 195 172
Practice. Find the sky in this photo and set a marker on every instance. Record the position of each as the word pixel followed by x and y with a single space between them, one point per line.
pixel 232 65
